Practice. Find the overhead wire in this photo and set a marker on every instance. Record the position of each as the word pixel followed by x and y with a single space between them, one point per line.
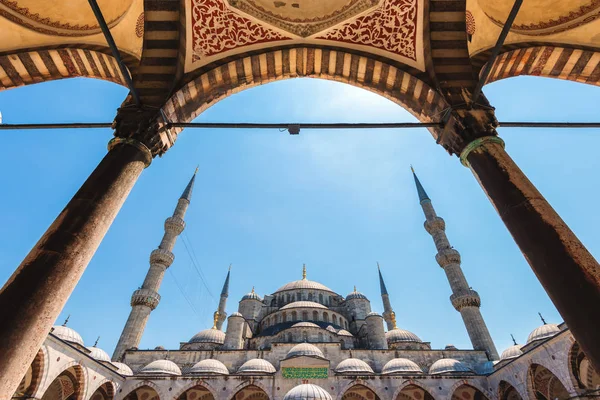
pixel 195 264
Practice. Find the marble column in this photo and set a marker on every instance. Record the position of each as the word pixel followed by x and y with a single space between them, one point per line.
pixel 35 294
pixel 567 271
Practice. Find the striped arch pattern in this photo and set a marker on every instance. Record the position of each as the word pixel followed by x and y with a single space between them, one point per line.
pixel 549 61
pixel 28 67
pixel 391 82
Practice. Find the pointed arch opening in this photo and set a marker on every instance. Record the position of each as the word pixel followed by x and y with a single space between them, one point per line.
pixel 68 385
pixel 144 392
pixel 583 374
pixel 105 392
pixel 197 392
pixel 360 392
pixel 544 385
pixel 506 391
pixel 468 392
pixel 251 392
pixel 414 392
pixel 31 381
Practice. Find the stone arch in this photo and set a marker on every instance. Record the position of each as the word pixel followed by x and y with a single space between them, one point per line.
pixel 141 388
pixel 32 379
pixel 67 384
pixel 543 384
pixel 467 390
pixel 358 390
pixel 558 62
pixel 583 374
pixel 273 65
pixel 198 390
pixel 251 391
pixel 506 391
pixel 105 391
pixel 48 64
pixel 412 390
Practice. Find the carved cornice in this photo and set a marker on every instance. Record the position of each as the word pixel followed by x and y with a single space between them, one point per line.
pixel 434 225
pixel 174 225
pixel 447 257
pixel 162 257
pixel 469 298
pixel 145 297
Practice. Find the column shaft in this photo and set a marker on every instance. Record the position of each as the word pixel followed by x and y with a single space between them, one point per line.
pixel 566 270
pixel 35 294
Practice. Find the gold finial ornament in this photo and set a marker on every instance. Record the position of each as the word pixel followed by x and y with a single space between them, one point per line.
pixel 378 269
pixel 303 271
pixel 196 171
pixel 215 319
pixel 230 267
pixel 252 289
pixel 412 169
pixel 393 318
pixel 354 288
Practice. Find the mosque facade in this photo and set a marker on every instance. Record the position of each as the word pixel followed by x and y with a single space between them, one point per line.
pixel 306 341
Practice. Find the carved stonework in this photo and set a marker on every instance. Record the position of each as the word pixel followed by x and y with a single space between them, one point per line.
pixel 469 298
pixel 391 27
pixel 162 257
pixel 434 224
pixel 139 26
pixel 174 225
pixel 470 20
pixel 447 257
pixel 145 297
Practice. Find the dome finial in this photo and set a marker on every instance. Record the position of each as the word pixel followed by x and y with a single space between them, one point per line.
pixel 230 267
pixel 96 342
pixel 542 318
pixel 393 318
pixel 252 289
pixel 66 320
pixel 215 319
pixel 303 271
pixel 513 338
pixel 354 288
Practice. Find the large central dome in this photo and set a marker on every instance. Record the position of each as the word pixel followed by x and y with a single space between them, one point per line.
pixel 303 284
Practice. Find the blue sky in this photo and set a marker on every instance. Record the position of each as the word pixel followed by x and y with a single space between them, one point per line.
pixel 267 202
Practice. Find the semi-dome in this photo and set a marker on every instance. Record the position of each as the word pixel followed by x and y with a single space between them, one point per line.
pixel 512 352
pixel 209 366
pixel 257 366
pixel 343 332
pixel 123 369
pixel 67 334
pixel 307 391
pixel 401 365
pixel 305 349
pixel 543 332
pixel 303 284
pixel 303 304
pixel 331 329
pixel 209 336
pixel 448 365
pixel 305 325
pixel 353 366
pixel 98 354
pixel 401 335
pixel 167 367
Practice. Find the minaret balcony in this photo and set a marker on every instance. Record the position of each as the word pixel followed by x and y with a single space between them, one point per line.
pixel 447 257
pixel 435 224
pixel 468 298
pixel 162 256
pixel 145 297
pixel 174 225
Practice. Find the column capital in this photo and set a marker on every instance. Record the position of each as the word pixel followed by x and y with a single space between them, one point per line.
pixel 146 125
pixel 475 144
pixel 466 125
pixel 116 141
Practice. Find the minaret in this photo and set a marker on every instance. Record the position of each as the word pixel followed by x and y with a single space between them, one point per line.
pixel 388 313
pixel 223 302
pixel 464 299
pixel 146 298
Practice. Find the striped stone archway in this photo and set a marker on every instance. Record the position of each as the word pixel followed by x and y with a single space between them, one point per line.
pixel 251 71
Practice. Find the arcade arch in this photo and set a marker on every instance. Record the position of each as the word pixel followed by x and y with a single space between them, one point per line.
pixel 197 392
pixel 413 392
pixel 506 391
pixel 30 382
pixel 251 392
pixel 144 392
pixel 68 385
pixel 583 374
pixel 360 392
pixel 106 391
pixel 542 384
pixel 468 392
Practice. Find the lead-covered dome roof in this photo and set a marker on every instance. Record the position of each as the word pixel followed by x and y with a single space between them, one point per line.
pixel 67 334
pixel 303 304
pixel 303 284
pixel 257 366
pixel 209 366
pixel 307 391
pixel 448 365
pixel 209 336
pixel 252 296
pixel 353 366
pixel 98 354
pixel 543 332
pixel 401 365
pixel 401 335
pixel 305 349
pixel 123 369
pixel 166 367
pixel 356 295
pixel 305 324
pixel 511 352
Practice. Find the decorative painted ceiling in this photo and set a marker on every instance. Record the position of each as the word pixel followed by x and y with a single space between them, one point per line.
pixel 388 28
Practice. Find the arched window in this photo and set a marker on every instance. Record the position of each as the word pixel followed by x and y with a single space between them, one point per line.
pixel 304 315
pixel 320 337
pixel 346 324
pixel 315 315
pixel 334 318
pixel 342 344
pixel 293 296
pixel 321 298
pixel 268 322
pixel 290 338
pixel 284 316
pixel 325 317
pixel 310 297
pixel 305 336
pixel 294 316
pixel 287 297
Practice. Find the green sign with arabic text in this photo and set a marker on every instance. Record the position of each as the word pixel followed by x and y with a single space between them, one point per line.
pixel 304 373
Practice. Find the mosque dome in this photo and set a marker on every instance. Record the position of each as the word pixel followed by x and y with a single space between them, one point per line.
pixel 159 348
pixel 209 366
pixel 448 365
pixel 161 367
pixel 543 332
pixel 305 325
pixel 401 365
pixel 123 369
pixel 67 334
pixel 343 332
pixel 303 304
pixel 401 335
pixel 98 354
pixel 373 314
pixel 356 295
pixel 209 336
pixel 257 366
pixel 304 284
pixel 331 329
pixel 305 349
pixel 307 391
pixel 353 366
pixel 511 352
pixel 252 296
pixel 236 314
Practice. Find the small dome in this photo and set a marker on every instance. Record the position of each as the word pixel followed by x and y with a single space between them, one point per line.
pixel 305 325
pixel 356 295
pixel 209 336
pixel 67 334
pixel 331 329
pixel 252 296
pixel 159 348
pixel 450 347
pixel 307 391
pixel 401 365
pixel 343 332
pixel 303 284
pixel 161 367
pixel 123 368
pixel 448 365
pixel 236 314
pixel 401 335
pixel 209 366
pixel 374 314
pixel 304 303
pixel 257 366
pixel 511 352
pixel 305 349
pixel 353 366
pixel 98 354
pixel 543 332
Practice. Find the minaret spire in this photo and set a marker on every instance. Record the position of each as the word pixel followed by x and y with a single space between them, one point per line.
pixel 303 271
pixel 513 339
pixel 221 315
pixel 146 298
pixel 464 299
pixel 388 313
